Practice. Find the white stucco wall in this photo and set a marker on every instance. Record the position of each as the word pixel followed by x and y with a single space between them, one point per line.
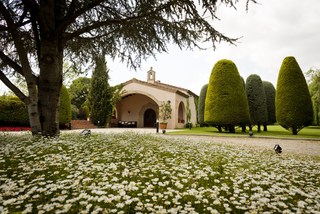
pixel 146 94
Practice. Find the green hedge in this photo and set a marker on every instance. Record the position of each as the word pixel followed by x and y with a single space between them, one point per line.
pixel 13 112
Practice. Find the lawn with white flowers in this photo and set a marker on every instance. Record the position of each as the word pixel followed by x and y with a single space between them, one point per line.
pixel 136 173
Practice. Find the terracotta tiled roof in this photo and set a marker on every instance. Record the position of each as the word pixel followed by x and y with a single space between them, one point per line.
pixel 163 86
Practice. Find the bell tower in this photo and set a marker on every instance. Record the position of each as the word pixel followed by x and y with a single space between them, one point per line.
pixel 151 76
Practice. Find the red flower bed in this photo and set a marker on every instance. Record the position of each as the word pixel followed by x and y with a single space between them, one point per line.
pixel 15 129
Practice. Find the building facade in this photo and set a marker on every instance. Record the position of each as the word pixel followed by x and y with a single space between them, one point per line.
pixel 140 103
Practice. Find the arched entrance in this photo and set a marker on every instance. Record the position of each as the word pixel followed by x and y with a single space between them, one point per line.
pixel 149 118
pixel 181 113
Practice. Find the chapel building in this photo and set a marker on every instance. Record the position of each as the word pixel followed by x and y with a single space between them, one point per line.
pixel 140 103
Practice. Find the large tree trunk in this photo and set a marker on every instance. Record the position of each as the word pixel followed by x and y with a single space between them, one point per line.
pixel 294 130
pixel 33 110
pixel 265 127
pixel 50 81
pixel 259 127
pixel 232 129
pixel 50 62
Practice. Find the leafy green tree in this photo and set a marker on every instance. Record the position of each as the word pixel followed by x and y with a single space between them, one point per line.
pixel 47 33
pixel 201 104
pixel 257 101
pixel 271 106
pixel 65 113
pixel 293 102
pixel 226 102
pixel 314 88
pixel 79 91
pixel 100 95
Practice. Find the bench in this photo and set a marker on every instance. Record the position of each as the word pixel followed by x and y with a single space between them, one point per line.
pixel 127 124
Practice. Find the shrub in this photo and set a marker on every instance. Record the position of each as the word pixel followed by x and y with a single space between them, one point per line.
pixel 65 113
pixel 165 111
pixel 13 112
pixel 226 102
pixel 293 102
pixel 201 104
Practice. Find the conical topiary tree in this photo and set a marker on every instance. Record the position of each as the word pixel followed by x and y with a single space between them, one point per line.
pixel 201 104
pixel 65 113
pixel 257 101
pixel 226 102
pixel 293 102
pixel 270 92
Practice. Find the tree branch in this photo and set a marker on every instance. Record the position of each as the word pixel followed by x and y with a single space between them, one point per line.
pixel 8 61
pixel 22 53
pixel 72 13
pixel 34 12
pixel 13 88
pixel 99 24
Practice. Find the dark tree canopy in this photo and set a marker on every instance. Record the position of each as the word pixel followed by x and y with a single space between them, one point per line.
pixel 271 100
pixel 293 102
pixel 226 102
pixel 201 104
pixel 257 100
pixel 37 36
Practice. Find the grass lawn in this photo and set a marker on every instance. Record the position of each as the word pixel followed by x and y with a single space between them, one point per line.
pixel 273 131
pixel 139 173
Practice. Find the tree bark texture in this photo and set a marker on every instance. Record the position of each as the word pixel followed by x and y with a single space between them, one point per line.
pixel 265 127
pixel 50 63
pixel 50 81
pixel 33 111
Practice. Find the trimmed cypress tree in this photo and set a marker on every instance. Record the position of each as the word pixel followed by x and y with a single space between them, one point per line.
pixel 65 113
pixel 100 94
pixel 270 92
pixel 293 101
pixel 257 101
pixel 226 101
pixel 201 104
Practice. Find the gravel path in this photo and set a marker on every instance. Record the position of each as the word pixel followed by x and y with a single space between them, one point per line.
pixel 296 146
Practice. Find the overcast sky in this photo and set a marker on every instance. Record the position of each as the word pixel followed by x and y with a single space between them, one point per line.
pixel 269 32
